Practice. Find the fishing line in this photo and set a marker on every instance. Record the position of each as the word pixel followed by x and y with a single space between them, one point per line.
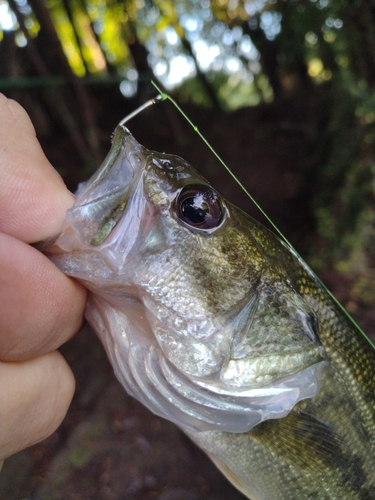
pixel 163 97
pixel 195 128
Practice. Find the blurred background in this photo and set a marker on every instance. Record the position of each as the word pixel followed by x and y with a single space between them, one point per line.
pixel 284 92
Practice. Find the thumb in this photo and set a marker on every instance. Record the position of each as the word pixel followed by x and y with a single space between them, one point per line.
pixel 33 196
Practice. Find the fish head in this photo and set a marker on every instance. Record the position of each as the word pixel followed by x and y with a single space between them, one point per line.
pixel 196 303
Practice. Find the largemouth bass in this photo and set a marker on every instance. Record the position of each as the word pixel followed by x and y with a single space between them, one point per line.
pixel 214 323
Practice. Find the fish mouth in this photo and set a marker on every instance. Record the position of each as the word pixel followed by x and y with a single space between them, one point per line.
pixel 94 234
pixel 97 212
pixel 101 216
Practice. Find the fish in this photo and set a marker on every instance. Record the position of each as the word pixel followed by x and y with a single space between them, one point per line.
pixel 216 324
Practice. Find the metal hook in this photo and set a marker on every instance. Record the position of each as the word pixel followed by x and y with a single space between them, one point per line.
pixel 155 100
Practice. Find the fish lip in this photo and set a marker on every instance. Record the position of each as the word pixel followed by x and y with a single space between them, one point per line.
pixel 83 198
pixel 44 245
pixel 120 140
pixel 97 212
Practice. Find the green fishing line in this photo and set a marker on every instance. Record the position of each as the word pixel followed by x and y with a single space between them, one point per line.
pixel 164 97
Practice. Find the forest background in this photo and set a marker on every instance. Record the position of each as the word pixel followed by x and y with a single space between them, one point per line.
pixel 284 91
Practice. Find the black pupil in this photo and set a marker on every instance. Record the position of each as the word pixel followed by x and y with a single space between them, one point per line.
pixel 199 208
pixel 195 209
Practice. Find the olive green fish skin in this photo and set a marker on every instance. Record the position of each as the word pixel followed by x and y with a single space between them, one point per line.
pixel 266 315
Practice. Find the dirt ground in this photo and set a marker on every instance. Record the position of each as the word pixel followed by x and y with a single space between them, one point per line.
pixel 110 447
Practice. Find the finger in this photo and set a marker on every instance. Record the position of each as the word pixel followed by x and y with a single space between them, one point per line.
pixel 34 398
pixel 41 308
pixel 33 197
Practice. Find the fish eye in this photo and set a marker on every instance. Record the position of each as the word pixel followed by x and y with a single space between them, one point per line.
pixel 199 207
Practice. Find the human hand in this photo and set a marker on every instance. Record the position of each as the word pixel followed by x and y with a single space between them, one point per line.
pixel 41 308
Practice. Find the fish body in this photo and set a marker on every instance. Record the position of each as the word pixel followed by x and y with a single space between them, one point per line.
pixel 214 323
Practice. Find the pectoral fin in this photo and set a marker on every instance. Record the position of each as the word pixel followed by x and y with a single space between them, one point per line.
pixel 304 440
